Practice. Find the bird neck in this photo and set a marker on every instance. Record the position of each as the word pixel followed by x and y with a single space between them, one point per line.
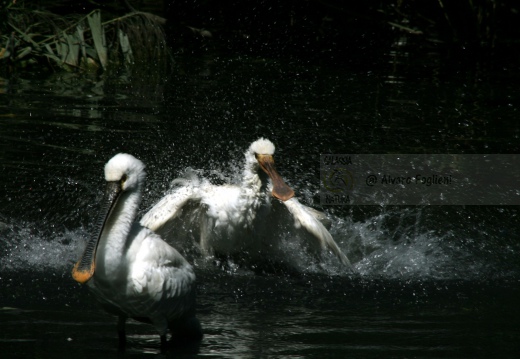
pixel 254 180
pixel 115 239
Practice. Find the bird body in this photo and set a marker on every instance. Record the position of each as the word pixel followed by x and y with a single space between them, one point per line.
pixel 247 220
pixel 132 272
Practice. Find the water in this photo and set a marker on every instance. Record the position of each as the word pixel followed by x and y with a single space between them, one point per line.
pixel 429 282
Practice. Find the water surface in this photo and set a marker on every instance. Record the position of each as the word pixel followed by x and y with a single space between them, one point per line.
pixel 429 281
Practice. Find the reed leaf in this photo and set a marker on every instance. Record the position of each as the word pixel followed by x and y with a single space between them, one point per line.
pixel 126 49
pixel 26 51
pixel 23 35
pixel 81 38
pixel 72 56
pixel 98 37
pixel 51 55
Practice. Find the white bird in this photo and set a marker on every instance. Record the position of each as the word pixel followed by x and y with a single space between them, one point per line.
pixel 132 272
pixel 242 221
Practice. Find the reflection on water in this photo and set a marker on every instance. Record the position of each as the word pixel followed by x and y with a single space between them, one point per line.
pixel 260 316
pixel 429 281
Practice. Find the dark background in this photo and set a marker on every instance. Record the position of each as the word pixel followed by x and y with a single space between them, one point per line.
pixel 348 32
pixel 330 30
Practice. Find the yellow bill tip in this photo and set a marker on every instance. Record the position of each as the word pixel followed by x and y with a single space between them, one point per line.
pixel 82 276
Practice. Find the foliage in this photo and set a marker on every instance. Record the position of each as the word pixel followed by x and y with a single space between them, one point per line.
pixel 83 43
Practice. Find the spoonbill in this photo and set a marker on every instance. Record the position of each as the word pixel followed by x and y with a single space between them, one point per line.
pixel 245 221
pixel 131 271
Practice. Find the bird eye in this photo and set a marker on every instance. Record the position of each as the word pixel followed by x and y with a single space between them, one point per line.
pixel 123 179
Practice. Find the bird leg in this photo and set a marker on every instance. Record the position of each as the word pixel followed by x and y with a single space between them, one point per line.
pixel 164 343
pixel 121 331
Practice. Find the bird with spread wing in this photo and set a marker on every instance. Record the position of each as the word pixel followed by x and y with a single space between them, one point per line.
pixel 247 220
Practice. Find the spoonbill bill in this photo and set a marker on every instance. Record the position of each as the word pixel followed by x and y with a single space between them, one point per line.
pixel 130 270
pixel 246 221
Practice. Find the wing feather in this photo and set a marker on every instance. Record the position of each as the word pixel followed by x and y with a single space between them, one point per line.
pixel 307 218
pixel 162 280
pixel 169 207
pixel 175 217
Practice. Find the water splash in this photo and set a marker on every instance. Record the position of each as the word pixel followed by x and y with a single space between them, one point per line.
pixel 27 247
pixel 388 242
pixel 395 242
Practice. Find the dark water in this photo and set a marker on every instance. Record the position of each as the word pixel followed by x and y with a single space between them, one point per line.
pixel 429 281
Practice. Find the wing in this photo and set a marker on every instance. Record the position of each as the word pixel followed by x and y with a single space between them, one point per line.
pixel 310 221
pixel 170 206
pixel 162 281
pixel 175 217
pixel 320 216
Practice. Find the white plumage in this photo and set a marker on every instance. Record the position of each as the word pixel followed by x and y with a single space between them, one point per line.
pixel 241 221
pixel 130 269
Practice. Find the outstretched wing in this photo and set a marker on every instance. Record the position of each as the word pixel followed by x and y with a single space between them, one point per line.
pixel 174 216
pixel 320 216
pixel 168 208
pixel 308 219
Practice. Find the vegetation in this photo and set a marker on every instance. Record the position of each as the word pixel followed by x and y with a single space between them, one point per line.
pixel 94 42
pixel 89 36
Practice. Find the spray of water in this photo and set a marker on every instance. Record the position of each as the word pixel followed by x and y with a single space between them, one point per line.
pixel 26 247
pixel 389 242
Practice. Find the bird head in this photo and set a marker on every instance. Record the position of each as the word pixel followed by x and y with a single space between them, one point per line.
pixel 263 151
pixel 125 169
pixel 123 173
